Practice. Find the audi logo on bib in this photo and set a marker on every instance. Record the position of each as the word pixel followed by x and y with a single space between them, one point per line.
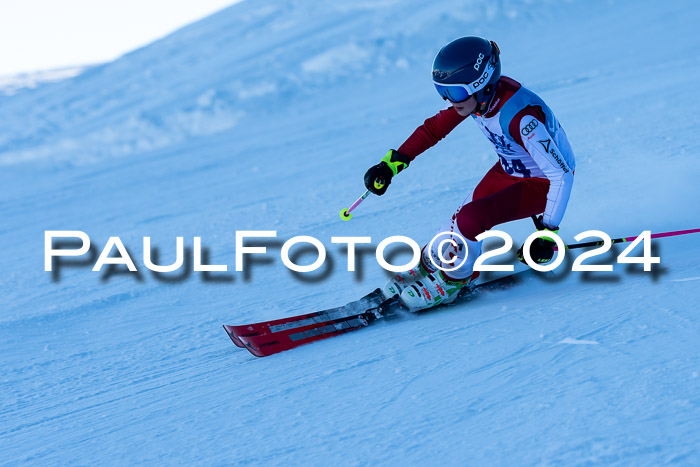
pixel 530 127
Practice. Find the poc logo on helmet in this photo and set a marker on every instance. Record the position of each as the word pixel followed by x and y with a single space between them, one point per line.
pixel 481 80
pixel 477 65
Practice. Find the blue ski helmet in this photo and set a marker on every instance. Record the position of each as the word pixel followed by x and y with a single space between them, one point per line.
pixel 467 66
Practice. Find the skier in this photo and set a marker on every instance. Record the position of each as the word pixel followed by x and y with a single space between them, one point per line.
pixel 534 173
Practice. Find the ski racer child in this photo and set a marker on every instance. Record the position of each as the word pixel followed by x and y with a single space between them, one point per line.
pixel 534 173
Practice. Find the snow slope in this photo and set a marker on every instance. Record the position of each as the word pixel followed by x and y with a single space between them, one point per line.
pixel 265 117
pixel 11 83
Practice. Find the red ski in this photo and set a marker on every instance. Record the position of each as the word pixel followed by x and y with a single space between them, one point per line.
pixel 268 337
pixel 271 337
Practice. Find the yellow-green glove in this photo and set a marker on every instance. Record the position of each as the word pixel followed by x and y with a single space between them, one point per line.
pixel 378 177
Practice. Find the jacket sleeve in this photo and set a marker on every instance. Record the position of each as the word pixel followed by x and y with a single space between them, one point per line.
pixel 430 132
pixel 542 148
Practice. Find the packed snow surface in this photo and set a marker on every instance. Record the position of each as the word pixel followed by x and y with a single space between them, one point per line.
pixel 265 117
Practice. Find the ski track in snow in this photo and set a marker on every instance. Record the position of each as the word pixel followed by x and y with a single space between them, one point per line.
pixel 265 117
pixel 687 279
pixel 571 340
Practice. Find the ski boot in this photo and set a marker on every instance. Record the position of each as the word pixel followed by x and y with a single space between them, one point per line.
pixel 403 279
pixel 432 290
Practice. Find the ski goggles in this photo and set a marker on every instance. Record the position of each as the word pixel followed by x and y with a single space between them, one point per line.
pixel 453 92
pixel 461 92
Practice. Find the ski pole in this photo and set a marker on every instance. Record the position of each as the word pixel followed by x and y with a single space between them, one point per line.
pixel 621 239
pixel 345 213
pixel 629 239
